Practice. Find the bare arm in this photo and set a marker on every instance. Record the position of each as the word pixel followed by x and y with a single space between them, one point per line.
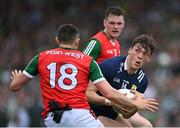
pixel 93 97
pixel 116 97
pixel 19 79
pixel 109 93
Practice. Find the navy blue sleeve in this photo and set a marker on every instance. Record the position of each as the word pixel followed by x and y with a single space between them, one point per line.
pixel 143 86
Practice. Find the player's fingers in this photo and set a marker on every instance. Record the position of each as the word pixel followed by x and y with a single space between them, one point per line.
pixel 13 73
pixel 20 71
pixel 153 102
pixel 16 71
pixel 150 109
pixel 153 107
pixel 12 78
pixel 152 99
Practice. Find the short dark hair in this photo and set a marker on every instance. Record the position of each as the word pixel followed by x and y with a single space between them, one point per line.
pixel 114 10
pixel 147 42
pixel 67 32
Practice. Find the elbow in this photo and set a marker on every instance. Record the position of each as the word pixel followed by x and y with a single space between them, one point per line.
pixel 88 96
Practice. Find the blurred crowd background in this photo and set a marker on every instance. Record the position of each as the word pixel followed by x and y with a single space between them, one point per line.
pixel 29 26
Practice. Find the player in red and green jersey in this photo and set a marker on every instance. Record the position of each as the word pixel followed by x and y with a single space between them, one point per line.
pixel 104 44
pixel 64 75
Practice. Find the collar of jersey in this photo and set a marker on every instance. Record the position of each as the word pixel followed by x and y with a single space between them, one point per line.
pixel 113 43
pixel 105 34
pixel 125 64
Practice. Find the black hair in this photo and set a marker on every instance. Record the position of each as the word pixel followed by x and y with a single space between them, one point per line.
pixel 67 33
pixel 146 42
pixel 114 10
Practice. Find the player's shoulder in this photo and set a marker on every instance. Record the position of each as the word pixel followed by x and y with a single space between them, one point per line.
pixel 85 56
pixel 99 37
pixel 93 41
pixel 118 59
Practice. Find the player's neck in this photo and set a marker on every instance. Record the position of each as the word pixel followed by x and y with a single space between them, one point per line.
pixel 71 46
pixel 110 38
pixel 129 69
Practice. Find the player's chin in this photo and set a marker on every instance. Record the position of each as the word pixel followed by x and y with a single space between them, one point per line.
pixel 115 36
pixel 136 67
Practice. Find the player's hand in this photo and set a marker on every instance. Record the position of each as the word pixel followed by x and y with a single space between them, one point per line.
pixel 15 74
pixel 137 95
pixel 146 104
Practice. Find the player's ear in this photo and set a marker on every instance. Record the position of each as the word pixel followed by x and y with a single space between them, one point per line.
pixel 104 22
pixel 130 51
pixel 57 40
pixel 77 41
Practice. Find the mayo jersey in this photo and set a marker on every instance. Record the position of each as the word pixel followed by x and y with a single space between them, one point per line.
pixel 64 76
pixel 115 72
pixel 100 47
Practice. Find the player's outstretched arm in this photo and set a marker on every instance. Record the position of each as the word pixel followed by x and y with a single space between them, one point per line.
pixel 116 97
pixel 19 79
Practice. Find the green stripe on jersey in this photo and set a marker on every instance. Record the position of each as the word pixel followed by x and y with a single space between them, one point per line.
pixel 95 72
pixel 92 48
pixel 32 67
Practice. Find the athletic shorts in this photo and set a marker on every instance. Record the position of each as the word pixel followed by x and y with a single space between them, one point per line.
pixel 106 111
pixel 74 118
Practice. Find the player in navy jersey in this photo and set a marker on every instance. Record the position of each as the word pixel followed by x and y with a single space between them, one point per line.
pixel 124 73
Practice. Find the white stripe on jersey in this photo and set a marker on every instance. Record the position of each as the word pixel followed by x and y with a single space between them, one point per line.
pixel 98 80
pixel 98 68
pixel 27 74
pixel 90 46
pixel 141 76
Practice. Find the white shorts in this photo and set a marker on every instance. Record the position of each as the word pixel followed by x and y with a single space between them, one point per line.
pixel 74 118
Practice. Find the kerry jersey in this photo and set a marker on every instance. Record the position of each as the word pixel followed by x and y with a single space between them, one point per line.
pixel 100 47
pixel 64 76
pixel 115 72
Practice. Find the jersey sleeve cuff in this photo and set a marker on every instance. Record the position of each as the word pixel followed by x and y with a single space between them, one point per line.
pixel 27 74
pixel 98 80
